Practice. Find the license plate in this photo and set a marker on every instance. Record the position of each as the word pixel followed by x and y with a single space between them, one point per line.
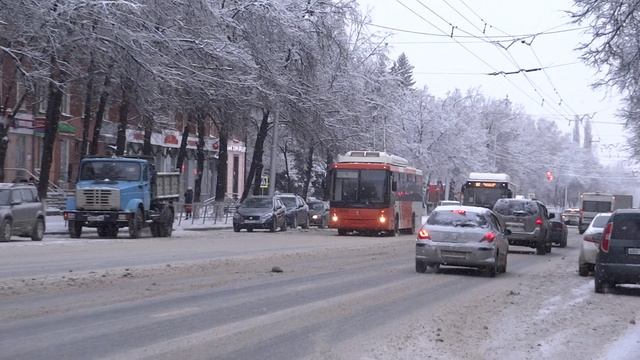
pixel 453 254
pixel 95 218
pixel 251 221
pixel 633 251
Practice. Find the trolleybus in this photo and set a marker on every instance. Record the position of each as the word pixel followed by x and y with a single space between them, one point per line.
pixel 374 192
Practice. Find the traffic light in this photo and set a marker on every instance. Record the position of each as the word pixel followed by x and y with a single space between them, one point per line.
pixel 549 175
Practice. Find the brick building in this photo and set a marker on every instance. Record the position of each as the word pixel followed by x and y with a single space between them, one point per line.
pixel 26 132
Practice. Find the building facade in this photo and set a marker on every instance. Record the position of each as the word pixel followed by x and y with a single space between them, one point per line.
pixel 26 131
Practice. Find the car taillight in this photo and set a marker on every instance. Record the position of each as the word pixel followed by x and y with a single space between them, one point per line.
pixel 539 221
pixel 424 235
pixel 606 237
pixel 489 237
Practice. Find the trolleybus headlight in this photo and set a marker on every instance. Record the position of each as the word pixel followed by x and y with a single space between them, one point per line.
pixel 334 218
pixel 382 219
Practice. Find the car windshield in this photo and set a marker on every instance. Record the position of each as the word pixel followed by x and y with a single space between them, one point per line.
pixel 4 196
pixel 600 221
pixel 457 218
pixel 515 208
pixel 257 203
pixel 360 186
pixel 289 202
pixel 317 206
pixel 110 170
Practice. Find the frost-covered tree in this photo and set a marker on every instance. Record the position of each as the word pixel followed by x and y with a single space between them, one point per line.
pixel 404 70
pixel 614 49
pixel 588 137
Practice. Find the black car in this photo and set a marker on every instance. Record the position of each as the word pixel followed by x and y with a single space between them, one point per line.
pixel 318 213
pixel 260 212
pixel 559 232
pixel 528 221
pixel 297 210
pixel 618 261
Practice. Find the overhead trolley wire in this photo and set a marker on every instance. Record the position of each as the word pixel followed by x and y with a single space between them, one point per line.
pixel 475 55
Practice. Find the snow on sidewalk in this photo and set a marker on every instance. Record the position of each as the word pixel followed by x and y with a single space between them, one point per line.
pixel 57 226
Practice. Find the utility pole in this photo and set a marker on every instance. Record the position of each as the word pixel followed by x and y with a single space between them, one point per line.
pixel 274 151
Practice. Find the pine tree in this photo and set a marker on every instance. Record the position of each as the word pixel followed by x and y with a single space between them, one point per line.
pixel 404 70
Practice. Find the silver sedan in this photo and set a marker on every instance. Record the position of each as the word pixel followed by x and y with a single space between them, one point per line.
pixel 462 236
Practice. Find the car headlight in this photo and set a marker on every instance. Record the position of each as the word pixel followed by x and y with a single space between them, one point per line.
pixel 314 217
pixel 267 215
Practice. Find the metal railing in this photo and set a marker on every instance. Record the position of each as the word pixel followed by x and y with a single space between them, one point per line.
pixel 56 195
pixel 210 211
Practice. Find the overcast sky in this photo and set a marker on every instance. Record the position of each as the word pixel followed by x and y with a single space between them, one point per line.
pixel 442 64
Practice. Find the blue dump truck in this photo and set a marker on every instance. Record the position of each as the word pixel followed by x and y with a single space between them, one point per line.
pixel 116 192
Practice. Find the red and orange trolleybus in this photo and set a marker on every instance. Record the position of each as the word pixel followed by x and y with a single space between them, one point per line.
pixel 374 192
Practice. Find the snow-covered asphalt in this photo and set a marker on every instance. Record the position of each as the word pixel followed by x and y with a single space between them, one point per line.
pixel 212 294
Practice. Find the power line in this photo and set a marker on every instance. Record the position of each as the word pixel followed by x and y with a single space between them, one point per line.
pixel 504 38
pixel 507 55
pixel 496 73
pixel 555 89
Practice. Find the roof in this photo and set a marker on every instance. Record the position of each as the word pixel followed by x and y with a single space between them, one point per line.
pixel 627 211
pixel 477 209
pixel 114 158
pixel 476 176
pixel 373 157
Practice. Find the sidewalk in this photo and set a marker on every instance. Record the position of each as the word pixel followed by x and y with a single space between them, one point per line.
pixel 57 226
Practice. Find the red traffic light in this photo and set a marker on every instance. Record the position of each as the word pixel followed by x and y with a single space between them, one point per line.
pixel 549 175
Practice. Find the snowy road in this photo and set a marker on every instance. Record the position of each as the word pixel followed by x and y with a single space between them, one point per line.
pixel 206 295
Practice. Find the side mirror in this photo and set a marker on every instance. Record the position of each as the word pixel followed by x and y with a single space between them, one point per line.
pixel 552 215
pixel 507 232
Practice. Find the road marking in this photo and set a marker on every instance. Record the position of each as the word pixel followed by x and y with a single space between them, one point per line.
pixel 176 313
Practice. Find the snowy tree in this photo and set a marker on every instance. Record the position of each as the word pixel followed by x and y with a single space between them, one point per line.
pixel 614 50
pixel 576 131
pixel 403 70
pixel 587 134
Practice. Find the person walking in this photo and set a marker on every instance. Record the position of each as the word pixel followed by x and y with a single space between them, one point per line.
pixel 188 203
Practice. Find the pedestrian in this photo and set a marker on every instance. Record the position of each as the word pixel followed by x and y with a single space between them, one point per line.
pixel 188 203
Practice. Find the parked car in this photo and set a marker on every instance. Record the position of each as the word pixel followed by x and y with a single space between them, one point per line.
pixel 21 211
pixel 559 231
pixel 297 210
pixel 590 243
pixel 571 216
pixel 618 260
pixel 462 236
pixel 318 213
pixel 528 221
pixel 260 212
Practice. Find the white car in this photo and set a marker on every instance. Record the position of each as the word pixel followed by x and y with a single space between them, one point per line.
pixel 591 243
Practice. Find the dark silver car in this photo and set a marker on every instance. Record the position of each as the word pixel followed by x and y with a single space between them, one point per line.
pixel 260 212
pixel 618 261
pixel 528 221
pixel 21 211
pixel 462 236
pixel 297 210
pixel 318 213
